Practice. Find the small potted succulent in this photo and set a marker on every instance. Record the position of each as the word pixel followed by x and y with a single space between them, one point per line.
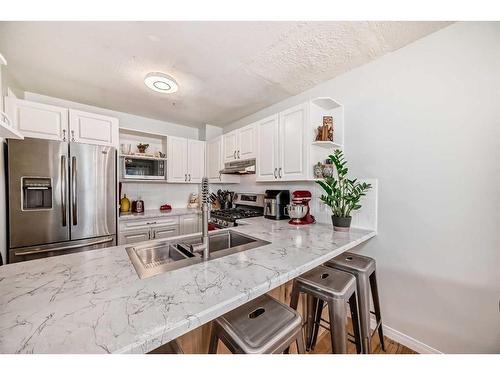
pixel 342 195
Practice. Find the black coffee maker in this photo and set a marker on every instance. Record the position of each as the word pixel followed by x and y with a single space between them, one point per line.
pixel 275 202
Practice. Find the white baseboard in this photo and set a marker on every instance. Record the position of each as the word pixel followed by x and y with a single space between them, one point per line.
pixel 406 340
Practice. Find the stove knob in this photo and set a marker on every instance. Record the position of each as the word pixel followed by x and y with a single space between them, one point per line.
pixel 224 222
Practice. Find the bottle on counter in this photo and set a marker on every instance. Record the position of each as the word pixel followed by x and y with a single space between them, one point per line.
pixel 124 204
pixel 138 206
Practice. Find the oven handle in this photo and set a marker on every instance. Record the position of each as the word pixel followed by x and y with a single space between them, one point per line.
pixel 61 248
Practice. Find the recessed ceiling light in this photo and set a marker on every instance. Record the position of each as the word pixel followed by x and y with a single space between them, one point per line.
pixel 161 82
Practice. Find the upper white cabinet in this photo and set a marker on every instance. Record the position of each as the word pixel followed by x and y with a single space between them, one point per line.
pixel 86 127
pixel 230 146
pixel 38 120
pixel 282 146
pixel 185 160
pixel 215 162
pixel 196 160
pixel 45 121
pixel 287 145
pixel 268 151
pixel 240 144
pixel 292 144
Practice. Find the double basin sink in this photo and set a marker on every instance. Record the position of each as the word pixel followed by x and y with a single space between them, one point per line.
pixel 157 257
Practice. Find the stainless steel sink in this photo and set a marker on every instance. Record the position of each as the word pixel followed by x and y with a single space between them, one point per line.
pixel 157 257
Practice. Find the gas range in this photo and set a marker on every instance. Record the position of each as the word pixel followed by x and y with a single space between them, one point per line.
pixel 247 205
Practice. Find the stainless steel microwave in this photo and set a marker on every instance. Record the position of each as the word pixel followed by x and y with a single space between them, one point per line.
pixel 143 168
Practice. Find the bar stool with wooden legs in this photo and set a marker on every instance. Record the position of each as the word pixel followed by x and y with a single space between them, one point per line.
pixel 261 326
pixel 363 268
pixel 336 289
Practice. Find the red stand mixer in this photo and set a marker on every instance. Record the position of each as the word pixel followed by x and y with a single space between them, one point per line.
pixel 299 210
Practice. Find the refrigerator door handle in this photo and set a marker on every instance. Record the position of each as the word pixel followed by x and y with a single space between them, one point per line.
pixel 74 190
pixel 64 193
pixel 61 248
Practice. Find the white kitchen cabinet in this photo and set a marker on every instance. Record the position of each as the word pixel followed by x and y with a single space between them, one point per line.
pixel 185 160
pixel 240 144
pixel 189 224
pixel 292 135
pixel 215 162
pixel 177 162
pixel 38 120
pixel 268 151
pixel 164 231
pixel 230 145
pixel 282 151
pixel 134 235
pixel 86 127
pixel 196 160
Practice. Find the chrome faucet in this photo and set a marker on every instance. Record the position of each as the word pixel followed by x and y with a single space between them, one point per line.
pixel 204 246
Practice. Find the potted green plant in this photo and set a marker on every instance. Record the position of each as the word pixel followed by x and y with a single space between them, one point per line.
pixel 342 195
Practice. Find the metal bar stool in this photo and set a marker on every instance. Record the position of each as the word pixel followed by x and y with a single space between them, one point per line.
pixel 336 288
pixel 261 326
pixel 363 268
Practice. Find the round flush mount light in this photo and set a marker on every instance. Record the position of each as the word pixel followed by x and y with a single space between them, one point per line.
pixel 161 82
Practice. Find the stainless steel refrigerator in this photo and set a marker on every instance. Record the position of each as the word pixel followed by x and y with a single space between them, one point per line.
pixel 61 198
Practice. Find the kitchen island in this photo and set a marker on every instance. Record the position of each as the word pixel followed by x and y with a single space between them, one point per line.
pixel 94 302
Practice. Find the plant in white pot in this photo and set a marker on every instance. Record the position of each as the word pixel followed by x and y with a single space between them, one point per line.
pixel 342 195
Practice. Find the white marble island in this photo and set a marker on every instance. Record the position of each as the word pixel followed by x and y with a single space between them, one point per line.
pixel 94 302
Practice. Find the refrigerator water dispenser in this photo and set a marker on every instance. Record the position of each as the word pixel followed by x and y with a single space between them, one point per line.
pixel 37 193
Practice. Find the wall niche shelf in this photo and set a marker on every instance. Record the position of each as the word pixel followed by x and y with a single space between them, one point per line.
pixel 327 144
pixel 135 156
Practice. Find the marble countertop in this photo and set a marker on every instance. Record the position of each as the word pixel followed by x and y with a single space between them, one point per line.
pixel 147 214
pixel 94 302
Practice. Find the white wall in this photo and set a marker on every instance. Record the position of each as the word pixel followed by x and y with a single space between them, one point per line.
pixel 425 121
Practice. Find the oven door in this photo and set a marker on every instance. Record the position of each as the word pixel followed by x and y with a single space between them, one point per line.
pixel 142 168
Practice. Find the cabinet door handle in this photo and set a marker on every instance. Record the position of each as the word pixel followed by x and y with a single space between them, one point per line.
pixel 238 154
pixel 234 154
pixel 274 173
pixel 185 177
pixel 72 136
pixel 64 135
pixel 189 176
pixel 279 172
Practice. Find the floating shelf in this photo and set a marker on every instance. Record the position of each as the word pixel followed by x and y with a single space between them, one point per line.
pixel 327 144
pixel 135 156
pixel 326 103
pixel 7 131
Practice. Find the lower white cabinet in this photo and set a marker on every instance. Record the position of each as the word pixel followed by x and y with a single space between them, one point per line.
pixel 189 224
pixel 139 230
pixel 164 231
pixel 134 235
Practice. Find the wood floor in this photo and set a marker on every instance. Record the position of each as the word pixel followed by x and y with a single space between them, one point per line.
pixel 392 347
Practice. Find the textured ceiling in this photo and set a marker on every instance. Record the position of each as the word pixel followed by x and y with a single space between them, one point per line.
pixel 226 70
